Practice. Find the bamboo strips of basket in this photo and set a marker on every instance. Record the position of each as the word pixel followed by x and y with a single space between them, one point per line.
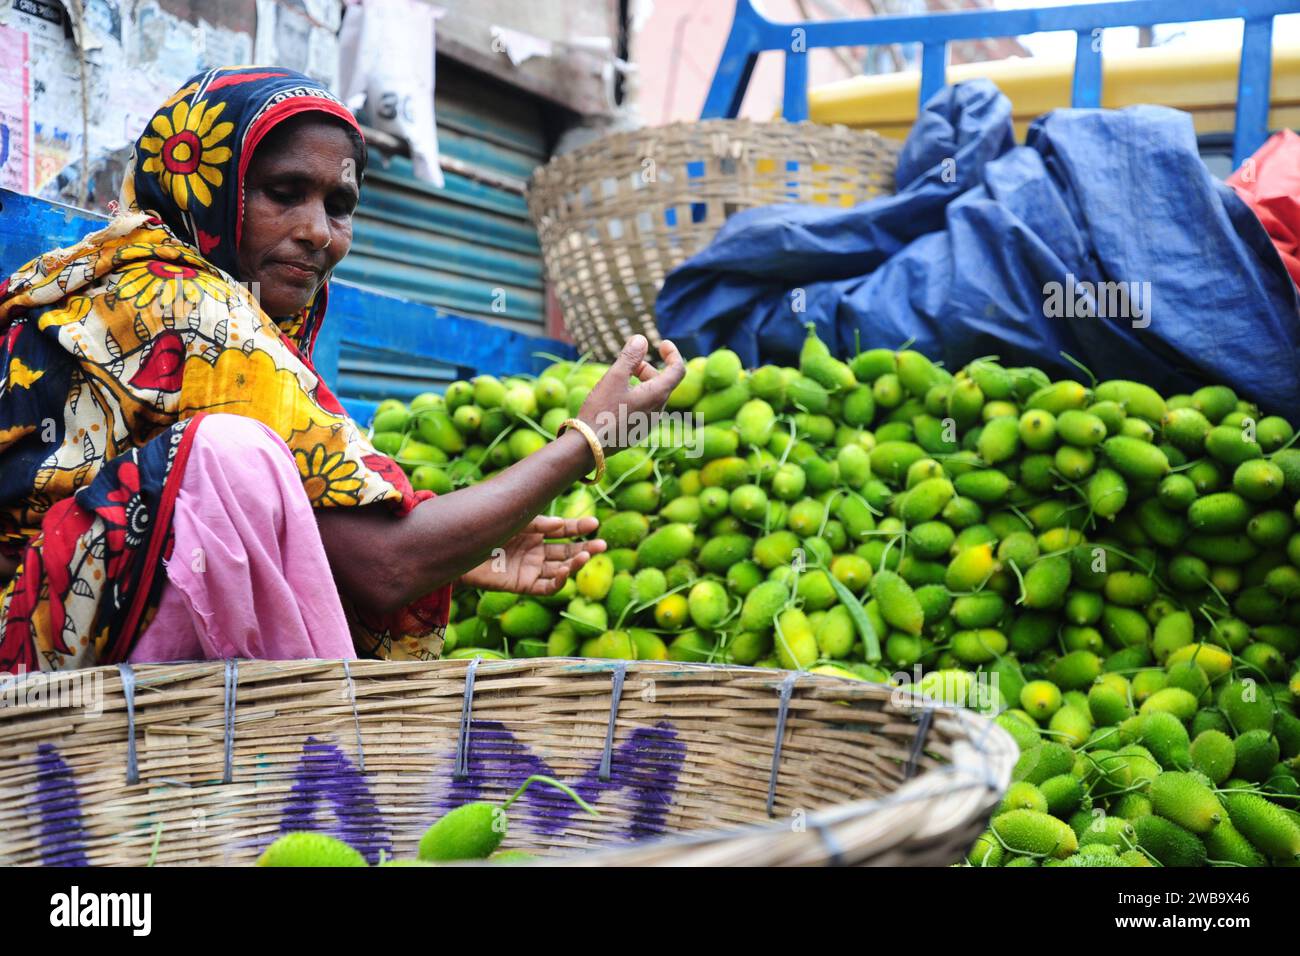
pixel 614 217
pixel 228 756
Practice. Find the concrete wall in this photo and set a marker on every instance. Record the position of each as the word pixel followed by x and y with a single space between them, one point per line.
pixel 575 78
pixel 69 140
pixel 79 80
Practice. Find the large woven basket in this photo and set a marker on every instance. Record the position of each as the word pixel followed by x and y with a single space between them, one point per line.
pixel 686 763
pixel 616 216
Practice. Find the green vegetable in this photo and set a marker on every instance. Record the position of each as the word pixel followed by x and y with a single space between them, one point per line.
pixel 1126 565
pixel 309 849
pixel 473 831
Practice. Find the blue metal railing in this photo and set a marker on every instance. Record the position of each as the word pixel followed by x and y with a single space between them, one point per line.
pixel 752 33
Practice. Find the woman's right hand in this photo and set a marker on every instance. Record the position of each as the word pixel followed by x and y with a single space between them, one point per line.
pixel 611 404
pixel 450 535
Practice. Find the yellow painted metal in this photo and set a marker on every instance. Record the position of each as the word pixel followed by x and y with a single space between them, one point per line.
pixel 1202 82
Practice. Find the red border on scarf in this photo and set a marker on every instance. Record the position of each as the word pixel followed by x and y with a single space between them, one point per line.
pixel 166 505
pixel 234 79
pixel 309 343
pixel 268 121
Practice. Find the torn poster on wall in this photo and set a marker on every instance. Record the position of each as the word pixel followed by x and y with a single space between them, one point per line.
pixel 44 18
pixel 170 50
pixel 301 35
pixel 132 63
pixel 164 51
pixel 15 115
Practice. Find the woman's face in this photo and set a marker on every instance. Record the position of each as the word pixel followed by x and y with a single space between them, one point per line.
pixel 299 194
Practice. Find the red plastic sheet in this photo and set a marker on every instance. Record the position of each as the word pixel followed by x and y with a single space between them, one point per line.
pixel 1269 182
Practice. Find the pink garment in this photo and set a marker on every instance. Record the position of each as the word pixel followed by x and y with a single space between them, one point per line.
pixel 248 575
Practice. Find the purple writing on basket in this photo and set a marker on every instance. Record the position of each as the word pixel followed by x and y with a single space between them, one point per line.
pixel 326 775
pixel 646 765
pixel 331 794
pixel 58 807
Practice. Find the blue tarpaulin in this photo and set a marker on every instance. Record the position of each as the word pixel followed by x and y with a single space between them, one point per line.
pixel 1104 237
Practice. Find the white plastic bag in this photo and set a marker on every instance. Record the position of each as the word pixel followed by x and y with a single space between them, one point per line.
pixel 386 56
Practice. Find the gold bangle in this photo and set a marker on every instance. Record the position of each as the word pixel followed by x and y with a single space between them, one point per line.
pixel 597 452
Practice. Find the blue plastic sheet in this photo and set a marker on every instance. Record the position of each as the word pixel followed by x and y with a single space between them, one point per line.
pixel 1104 237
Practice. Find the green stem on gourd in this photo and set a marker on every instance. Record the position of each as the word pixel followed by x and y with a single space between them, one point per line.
pixel 569 791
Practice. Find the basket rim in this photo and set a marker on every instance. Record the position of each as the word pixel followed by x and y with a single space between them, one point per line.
pixel 802 137
pixel 971 775
pixel 994 780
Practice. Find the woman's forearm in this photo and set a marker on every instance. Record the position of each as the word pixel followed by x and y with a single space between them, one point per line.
pixel 381 562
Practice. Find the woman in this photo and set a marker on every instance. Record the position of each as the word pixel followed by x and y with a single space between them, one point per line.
pixel 176 482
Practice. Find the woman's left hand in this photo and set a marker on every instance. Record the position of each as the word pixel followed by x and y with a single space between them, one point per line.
pixel 529 564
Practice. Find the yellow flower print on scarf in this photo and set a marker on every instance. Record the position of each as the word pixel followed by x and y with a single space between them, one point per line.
pixel 142 282
pixel 76 309
pixel 187 151
pixel 9 436
pixel 328 479
pixel 20 376
pixel 249 384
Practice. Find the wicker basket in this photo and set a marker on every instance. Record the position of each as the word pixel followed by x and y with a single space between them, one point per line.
pixel 616 216
pixel 687 763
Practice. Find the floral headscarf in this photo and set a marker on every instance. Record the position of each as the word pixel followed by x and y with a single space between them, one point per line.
pixel 113 350
pixel 194 154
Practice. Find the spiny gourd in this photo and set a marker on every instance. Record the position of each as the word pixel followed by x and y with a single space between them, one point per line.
pixel 1169 843
pixel 1213 754
pixel 1117 568
pixel 1042 762
pixel 1225 844
pixel 1132 805
pixel 1023 795
pixel 473 831
pixel 1185 800
pixel 310 849
pixel 1266 825
pixel 1065 794
pixel 1030 831
pixel 1108 830
pixel 986 851
pixel 1256 753
pixel 1164 735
